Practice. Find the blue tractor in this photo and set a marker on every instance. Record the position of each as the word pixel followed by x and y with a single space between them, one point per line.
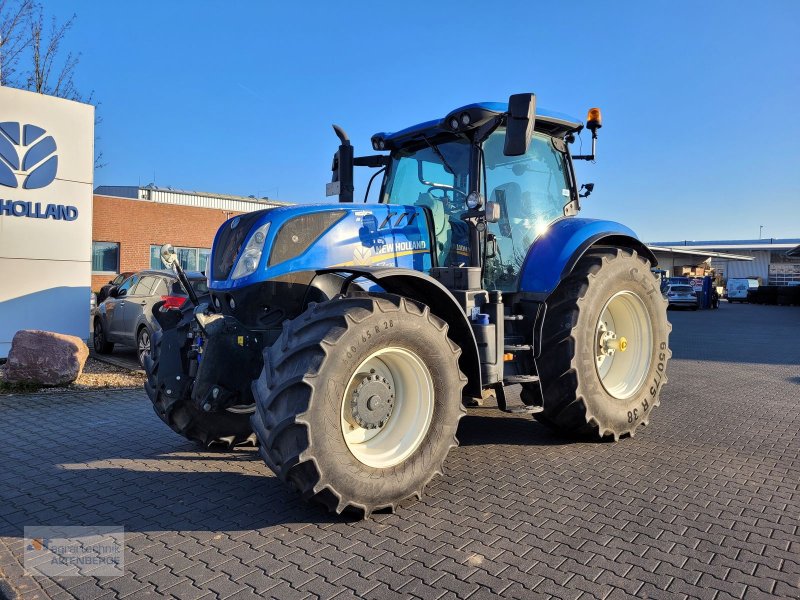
pixel 348 337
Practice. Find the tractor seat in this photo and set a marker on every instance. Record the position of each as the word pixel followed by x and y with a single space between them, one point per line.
pixel 441 224
pixel 447 230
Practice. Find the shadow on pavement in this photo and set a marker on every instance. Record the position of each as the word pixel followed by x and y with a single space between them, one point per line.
pixel 199 501
pixel 487 429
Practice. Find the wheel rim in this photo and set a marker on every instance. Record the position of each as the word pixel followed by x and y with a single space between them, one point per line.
pixel 623 344
pixel 144 345
pixel 402 375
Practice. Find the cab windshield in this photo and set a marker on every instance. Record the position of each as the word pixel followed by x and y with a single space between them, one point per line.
pixel 532 191
pixel 435 176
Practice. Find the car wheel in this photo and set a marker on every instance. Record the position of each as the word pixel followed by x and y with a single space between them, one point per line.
pixel 101 345
pixel 143 344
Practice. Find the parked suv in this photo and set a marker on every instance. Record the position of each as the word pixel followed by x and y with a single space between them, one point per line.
pixel 116 282
pixel 126 316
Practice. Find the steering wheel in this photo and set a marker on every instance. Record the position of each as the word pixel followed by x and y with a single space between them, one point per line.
pixel 444 190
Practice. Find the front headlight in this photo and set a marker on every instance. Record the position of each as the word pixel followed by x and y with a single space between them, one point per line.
pixel 249 259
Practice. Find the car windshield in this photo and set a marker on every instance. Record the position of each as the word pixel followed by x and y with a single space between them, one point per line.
pixel 682 289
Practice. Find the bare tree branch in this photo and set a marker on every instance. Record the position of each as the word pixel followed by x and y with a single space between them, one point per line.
pixel 14 35
pixel 48 74
pixel 31 56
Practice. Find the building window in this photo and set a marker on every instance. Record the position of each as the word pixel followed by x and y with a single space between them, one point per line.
pixel 191 259
pixel 105 257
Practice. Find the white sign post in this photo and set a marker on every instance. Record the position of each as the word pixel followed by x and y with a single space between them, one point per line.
pixel 46 171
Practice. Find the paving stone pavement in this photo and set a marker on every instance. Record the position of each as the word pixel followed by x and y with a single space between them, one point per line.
pixel 703 503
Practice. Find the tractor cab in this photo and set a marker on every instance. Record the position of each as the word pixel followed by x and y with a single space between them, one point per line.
pixel 491 177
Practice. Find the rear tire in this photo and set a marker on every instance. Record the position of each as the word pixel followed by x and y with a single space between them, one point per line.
pixel 307 420
pixel 582 394
pixel 101 345
pixel 178 411
pixel 143 344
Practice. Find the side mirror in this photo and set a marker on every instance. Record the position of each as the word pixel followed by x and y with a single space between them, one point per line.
pixel 519 124
pixel 168 256
pixel 492 212
pixel 113 292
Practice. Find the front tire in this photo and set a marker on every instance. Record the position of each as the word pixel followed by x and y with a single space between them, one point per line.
pixel 358 402
pixel 605 347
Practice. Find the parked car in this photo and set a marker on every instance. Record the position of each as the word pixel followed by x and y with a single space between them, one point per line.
pixel 681 294
pixel 126 316
pixel 738 289
pixel 676 280
pixel 117 281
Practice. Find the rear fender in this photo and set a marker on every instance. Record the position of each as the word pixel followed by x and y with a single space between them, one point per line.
pixel 555 253
pixel 422 288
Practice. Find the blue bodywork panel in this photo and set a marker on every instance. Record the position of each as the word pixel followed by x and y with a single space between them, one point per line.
pixel 366 234
pixel 554 253
pixel 437 126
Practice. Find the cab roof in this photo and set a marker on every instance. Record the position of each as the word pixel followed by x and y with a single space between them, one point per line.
pixel 547 121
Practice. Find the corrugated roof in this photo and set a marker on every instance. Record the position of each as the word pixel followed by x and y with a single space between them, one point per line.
pixel 136 192
pixel 698 252
pixel 152 193
pixel 762 244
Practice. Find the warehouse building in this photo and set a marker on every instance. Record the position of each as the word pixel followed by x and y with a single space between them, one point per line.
pixel 771 261
pixel 131 223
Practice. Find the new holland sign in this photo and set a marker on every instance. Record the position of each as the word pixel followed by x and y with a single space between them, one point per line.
pixel 27 155
pixel 46 168
pixel 28 160
pixel 35 210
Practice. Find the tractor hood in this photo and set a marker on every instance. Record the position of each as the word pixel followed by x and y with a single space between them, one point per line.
pixel 267 244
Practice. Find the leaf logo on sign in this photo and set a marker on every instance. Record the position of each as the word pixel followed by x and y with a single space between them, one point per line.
pixel 27 156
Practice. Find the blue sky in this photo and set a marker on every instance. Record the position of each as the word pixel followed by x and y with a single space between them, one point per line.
pixel 701 100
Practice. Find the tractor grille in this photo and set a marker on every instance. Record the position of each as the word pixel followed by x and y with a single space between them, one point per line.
pixel 229 242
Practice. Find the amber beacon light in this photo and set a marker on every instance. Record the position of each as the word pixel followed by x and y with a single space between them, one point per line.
pixel 594 119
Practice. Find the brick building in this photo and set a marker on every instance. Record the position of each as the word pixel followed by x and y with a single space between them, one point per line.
pixel 131 223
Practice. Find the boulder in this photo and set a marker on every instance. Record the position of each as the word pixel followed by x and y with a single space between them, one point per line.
pixel 45 358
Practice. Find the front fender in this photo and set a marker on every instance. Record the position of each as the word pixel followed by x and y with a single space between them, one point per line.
pixel 553 255
pixel 423 288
